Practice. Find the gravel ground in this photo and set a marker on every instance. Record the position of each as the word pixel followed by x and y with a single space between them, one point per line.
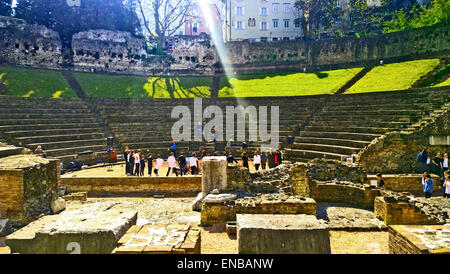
pixel 343 242
pixel 350 218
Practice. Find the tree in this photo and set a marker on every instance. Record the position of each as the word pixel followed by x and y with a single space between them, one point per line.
pixel 363 18
pixel 6 7
pixel 163 18
pixel 438 11
pixel 309 13
pixel 66 20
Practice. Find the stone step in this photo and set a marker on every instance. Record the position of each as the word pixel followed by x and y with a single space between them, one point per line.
pixel 74 150
pixel 392 112
pixel 292 154
pixel 333 141
pixel 32 110
pixel 344 124
pixel 376 106
pixel 341 135
pixel 64 144
pixel 345 116
pixel 51 132
pixel 46 121
pixel 47 126
pixel 45 116
pixel 58 138
pixel 372 130
pixel 326 148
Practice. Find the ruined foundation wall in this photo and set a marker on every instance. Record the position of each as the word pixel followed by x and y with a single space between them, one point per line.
pixel 96 186
pixel 396 152
pixel 29 45
pixel 28 187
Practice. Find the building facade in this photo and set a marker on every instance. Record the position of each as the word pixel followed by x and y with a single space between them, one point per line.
pixel 196 23
pixel 260 20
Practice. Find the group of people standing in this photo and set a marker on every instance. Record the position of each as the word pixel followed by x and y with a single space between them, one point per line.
pixel 270 159
pixel 136 162
pixel 439 166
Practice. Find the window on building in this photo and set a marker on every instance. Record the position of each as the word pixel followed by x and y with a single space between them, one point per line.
pixel 287 24
pixel 195 27
pixel 263 39
pixel 287 7
pixel 338 3
pixel 239 25
pixel 263 11
pixel 275 23
pixel 297 25
pixel 286 38
pixel 274 38
pixel 263 25
pixel 239 10
pixel 276 7
pixel 251 22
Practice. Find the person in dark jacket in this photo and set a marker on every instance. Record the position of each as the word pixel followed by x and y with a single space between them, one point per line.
pixel 150 164
pixel 422 158
pixel 182 164
pixel 142 167
pixel 263 160
pixel 428 186
pixel 131 162
pixel 271 158
pixel 380 180
pixel 245 160
pixel 230 159
pixel 125 157
pixel 279 157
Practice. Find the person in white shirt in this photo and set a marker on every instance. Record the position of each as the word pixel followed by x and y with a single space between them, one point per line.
pixel 445 162
pixel 447 185
pixel 137 162
pixel 193 163
pixel 172 164
pixel 159 163
pixel 257 161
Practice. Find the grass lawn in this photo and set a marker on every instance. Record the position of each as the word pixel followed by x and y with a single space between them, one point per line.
pixel 397 76
pixel 24 82
pixel 124 86
pixel 286 84
pixel 443 84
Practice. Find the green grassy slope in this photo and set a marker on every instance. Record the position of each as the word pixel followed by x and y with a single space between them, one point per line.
pixel 24 82
pixel 396 76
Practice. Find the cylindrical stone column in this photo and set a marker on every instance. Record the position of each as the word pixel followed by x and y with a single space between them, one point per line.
pixel 214 174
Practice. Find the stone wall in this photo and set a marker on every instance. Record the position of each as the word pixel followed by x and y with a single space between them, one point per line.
pixel 120 52
pixel 28 187
pixel 396 152
pixel 194 52
pixel 413 43
pixel 29 45
pixel 406 239
pixel 97 186
pixel 405 182
pixel 105 50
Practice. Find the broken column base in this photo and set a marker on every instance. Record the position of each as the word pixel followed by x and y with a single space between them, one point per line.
pixel 282 234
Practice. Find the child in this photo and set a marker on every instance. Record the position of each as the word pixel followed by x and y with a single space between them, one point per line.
pixel 428 186
pixel 245 160
pixel 447 186
pixel 159 163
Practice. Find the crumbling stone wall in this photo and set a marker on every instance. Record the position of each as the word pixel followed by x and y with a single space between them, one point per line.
pixel 194 52
pixel 413 43
pixel 30 45
pixel 28 187
pixel 396 152
pixel 106 50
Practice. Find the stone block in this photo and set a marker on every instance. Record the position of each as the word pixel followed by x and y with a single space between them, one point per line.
pixel 214 174
pixel 92 229
pixel 419 239
pixel 282 234
pixel 28 186
pixel 58 205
